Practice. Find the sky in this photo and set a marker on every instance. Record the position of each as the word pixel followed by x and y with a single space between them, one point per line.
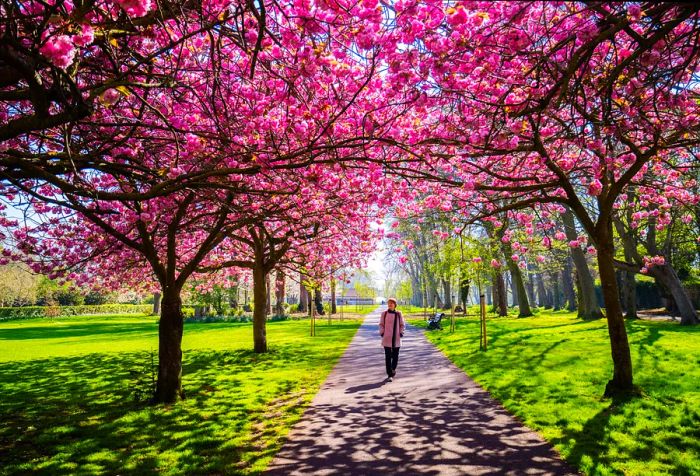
pixel 375 266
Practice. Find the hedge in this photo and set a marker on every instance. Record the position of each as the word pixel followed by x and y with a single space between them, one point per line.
pixel 30 312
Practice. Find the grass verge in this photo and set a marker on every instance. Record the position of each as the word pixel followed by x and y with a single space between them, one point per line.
pixel 68 388
pixel 551 371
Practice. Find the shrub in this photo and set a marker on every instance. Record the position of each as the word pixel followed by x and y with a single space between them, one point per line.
pixel 29 312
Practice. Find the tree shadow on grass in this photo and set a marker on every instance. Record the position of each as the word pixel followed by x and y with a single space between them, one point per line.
pixel 77 415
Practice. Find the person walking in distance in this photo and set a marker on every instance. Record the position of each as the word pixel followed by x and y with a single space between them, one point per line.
pixel 391 329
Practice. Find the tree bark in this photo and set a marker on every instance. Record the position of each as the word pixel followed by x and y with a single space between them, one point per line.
pixel 628 293
pixel 530 286
pixel 464 284
pixel 568 285
pixel 556 291
pixel 334 308
pixel 666 275
pixel 156 304
pixel 622 381
pixel 500 299
pixel 542 297
pixel 519 287
pixel 588 302
pixel 259 307
pixel 447 291
pixel 268 295
pixel 318 301
pixel 303 295
pixel 279 293
pixel 170 328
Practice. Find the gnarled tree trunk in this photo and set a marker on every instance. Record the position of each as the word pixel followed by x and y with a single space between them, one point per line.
pixel 170 328
pixel 667 277
pixel 260 308
pixel 622 381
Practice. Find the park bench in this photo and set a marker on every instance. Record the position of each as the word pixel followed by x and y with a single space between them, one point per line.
pixel 434 322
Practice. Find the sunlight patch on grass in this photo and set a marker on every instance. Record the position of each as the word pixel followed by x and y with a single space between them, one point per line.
pixel 68 400
pixel 551 371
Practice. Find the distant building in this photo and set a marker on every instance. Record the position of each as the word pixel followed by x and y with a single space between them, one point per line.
pixel 351 297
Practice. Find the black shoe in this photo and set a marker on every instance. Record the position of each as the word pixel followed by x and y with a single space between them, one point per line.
pixel 393 374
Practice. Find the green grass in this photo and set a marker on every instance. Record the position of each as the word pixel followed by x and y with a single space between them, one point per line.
pixel 551 372
pixel 68 388
pixel 361 309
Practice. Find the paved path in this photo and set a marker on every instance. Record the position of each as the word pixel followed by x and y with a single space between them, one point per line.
pixel 432 419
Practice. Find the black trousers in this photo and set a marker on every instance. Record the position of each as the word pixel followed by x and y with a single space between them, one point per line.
pixel 391 355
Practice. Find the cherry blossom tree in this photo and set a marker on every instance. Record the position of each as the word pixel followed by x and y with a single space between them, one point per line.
pixel 535 103
pixel 166 179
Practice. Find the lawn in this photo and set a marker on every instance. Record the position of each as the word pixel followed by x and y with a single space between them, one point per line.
pixel 551 371
pixel 69 389
pixel 361 309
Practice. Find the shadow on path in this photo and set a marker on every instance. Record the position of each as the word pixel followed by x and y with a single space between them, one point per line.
pixel 432 419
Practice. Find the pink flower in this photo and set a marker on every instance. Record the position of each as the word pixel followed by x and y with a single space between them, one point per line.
pixel 59 50
pixel 560 235
pixel 540 259
pixel 476 259
pixel 595 187
pixel 546 242
pixel 591 250
pixel 135 8
pixel 515 257
pixel 86 36
pixel 402 260
pixel 495 263
pixel 574 244
pixel 624 53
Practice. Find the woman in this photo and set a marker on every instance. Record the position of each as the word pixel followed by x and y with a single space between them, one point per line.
pixel 391 328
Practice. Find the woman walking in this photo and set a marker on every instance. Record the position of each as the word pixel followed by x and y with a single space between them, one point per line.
pixel 391 328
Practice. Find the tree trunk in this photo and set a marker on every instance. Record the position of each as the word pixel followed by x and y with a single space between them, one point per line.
pixel 568 285
pixel 513 289
pixel 334 308
pixel 447 291
pixel 622 381
pixel 268 296
pixel 303 295
pixel 556 291
pixel 259 309
pixel 309 302
pixel 530 286
pixel 668 278
pixel 500 298
pixel 628 293
pixel 318 301
pixel 519 287
pixel 279 293
pixel 588 302
pixel 542 298
pixel 464 284
pixel 170 327
pixel 156 304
